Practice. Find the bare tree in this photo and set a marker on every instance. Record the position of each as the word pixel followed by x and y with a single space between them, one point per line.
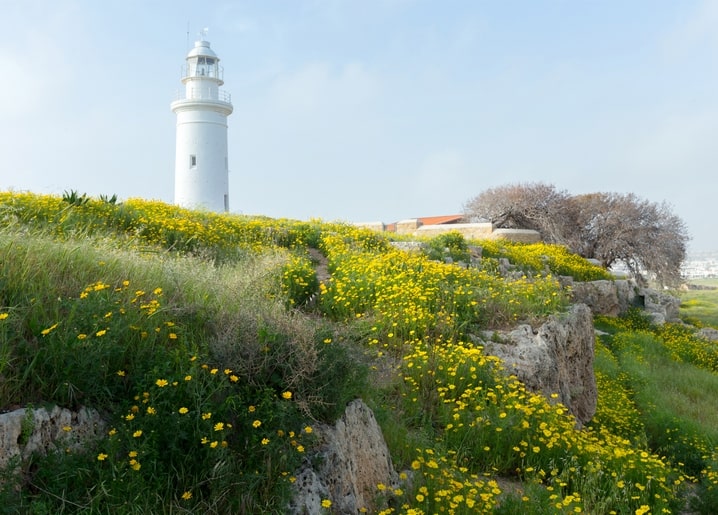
pixel 536 206
pixel 610 227
pixel 623 228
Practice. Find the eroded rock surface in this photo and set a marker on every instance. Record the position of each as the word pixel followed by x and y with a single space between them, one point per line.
pixel 27 431
pixel 557 358
pixel 349 462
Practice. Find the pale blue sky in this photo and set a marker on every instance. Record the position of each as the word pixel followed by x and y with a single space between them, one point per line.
pixel 368 110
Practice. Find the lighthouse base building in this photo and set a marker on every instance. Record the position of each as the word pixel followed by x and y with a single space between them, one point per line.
pixel 201 161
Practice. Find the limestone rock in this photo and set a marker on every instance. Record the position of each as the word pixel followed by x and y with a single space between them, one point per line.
pixel 708 333
pixel 351 459
pixel 627 292
pixel 27 431
pixel 660 306
pixel 555 358
pixel 600 296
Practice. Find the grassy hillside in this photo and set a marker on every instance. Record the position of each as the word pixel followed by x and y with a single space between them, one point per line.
pixel 212 347
pixel 700 307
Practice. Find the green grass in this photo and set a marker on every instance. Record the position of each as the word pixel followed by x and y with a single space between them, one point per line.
pixel 670 402
pixel 87 322
pixel 668 390
pixel 211 349
pixel 701 305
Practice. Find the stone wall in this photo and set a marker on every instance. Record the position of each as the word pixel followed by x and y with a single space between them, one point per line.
pixel 476 231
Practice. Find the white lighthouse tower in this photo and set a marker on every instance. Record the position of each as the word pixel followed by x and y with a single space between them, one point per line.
pixel 201 165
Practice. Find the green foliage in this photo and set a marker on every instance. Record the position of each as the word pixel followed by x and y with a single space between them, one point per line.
pixel 616 411
pixel 450 245
pixel 705 500
pixel 685 346
pixel 109 200
pixel 699 307
pixel 27 425
pixel 677 417
pixel 299 281
pixel 194 334
pixel 543 258
pixel 74 198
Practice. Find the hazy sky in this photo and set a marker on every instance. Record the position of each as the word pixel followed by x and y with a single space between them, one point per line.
pixel 371 110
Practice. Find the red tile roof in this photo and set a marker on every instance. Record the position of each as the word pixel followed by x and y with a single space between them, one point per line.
pixel 440 220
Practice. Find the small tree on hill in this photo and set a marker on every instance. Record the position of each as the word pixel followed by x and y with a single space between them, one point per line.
pixel 610 227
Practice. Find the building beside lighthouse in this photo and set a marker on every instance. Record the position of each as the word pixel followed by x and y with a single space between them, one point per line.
pixel 201 162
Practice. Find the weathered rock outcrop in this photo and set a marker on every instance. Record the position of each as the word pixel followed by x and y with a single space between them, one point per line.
pixel 600 296
pixel 708 333
pixel 27 431
pixel 555 358
pixel 613 298
pixel 350 460
pixel 661 307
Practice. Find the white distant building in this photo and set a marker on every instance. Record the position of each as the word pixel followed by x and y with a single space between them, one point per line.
pixel 201 164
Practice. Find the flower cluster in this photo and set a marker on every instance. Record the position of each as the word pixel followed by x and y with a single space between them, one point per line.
pixel 186 419
pixel 411 296
pixel 491 422
pixel 195 412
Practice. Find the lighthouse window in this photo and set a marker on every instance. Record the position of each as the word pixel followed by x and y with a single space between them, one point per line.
pixel 192 161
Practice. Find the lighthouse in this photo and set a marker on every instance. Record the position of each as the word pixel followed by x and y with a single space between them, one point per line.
pixel 201 164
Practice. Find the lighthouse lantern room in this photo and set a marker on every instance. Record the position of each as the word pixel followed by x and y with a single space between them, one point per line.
pixel 201 164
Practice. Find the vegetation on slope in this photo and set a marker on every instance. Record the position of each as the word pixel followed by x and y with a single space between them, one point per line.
pixel 700 306
pixel 212 348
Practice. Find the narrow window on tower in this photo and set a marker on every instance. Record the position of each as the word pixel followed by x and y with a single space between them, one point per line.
pixel 193 161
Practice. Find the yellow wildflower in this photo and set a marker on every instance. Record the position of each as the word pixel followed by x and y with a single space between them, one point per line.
pixel 47 331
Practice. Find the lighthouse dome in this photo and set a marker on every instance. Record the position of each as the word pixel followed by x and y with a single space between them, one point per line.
pixel 201 48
